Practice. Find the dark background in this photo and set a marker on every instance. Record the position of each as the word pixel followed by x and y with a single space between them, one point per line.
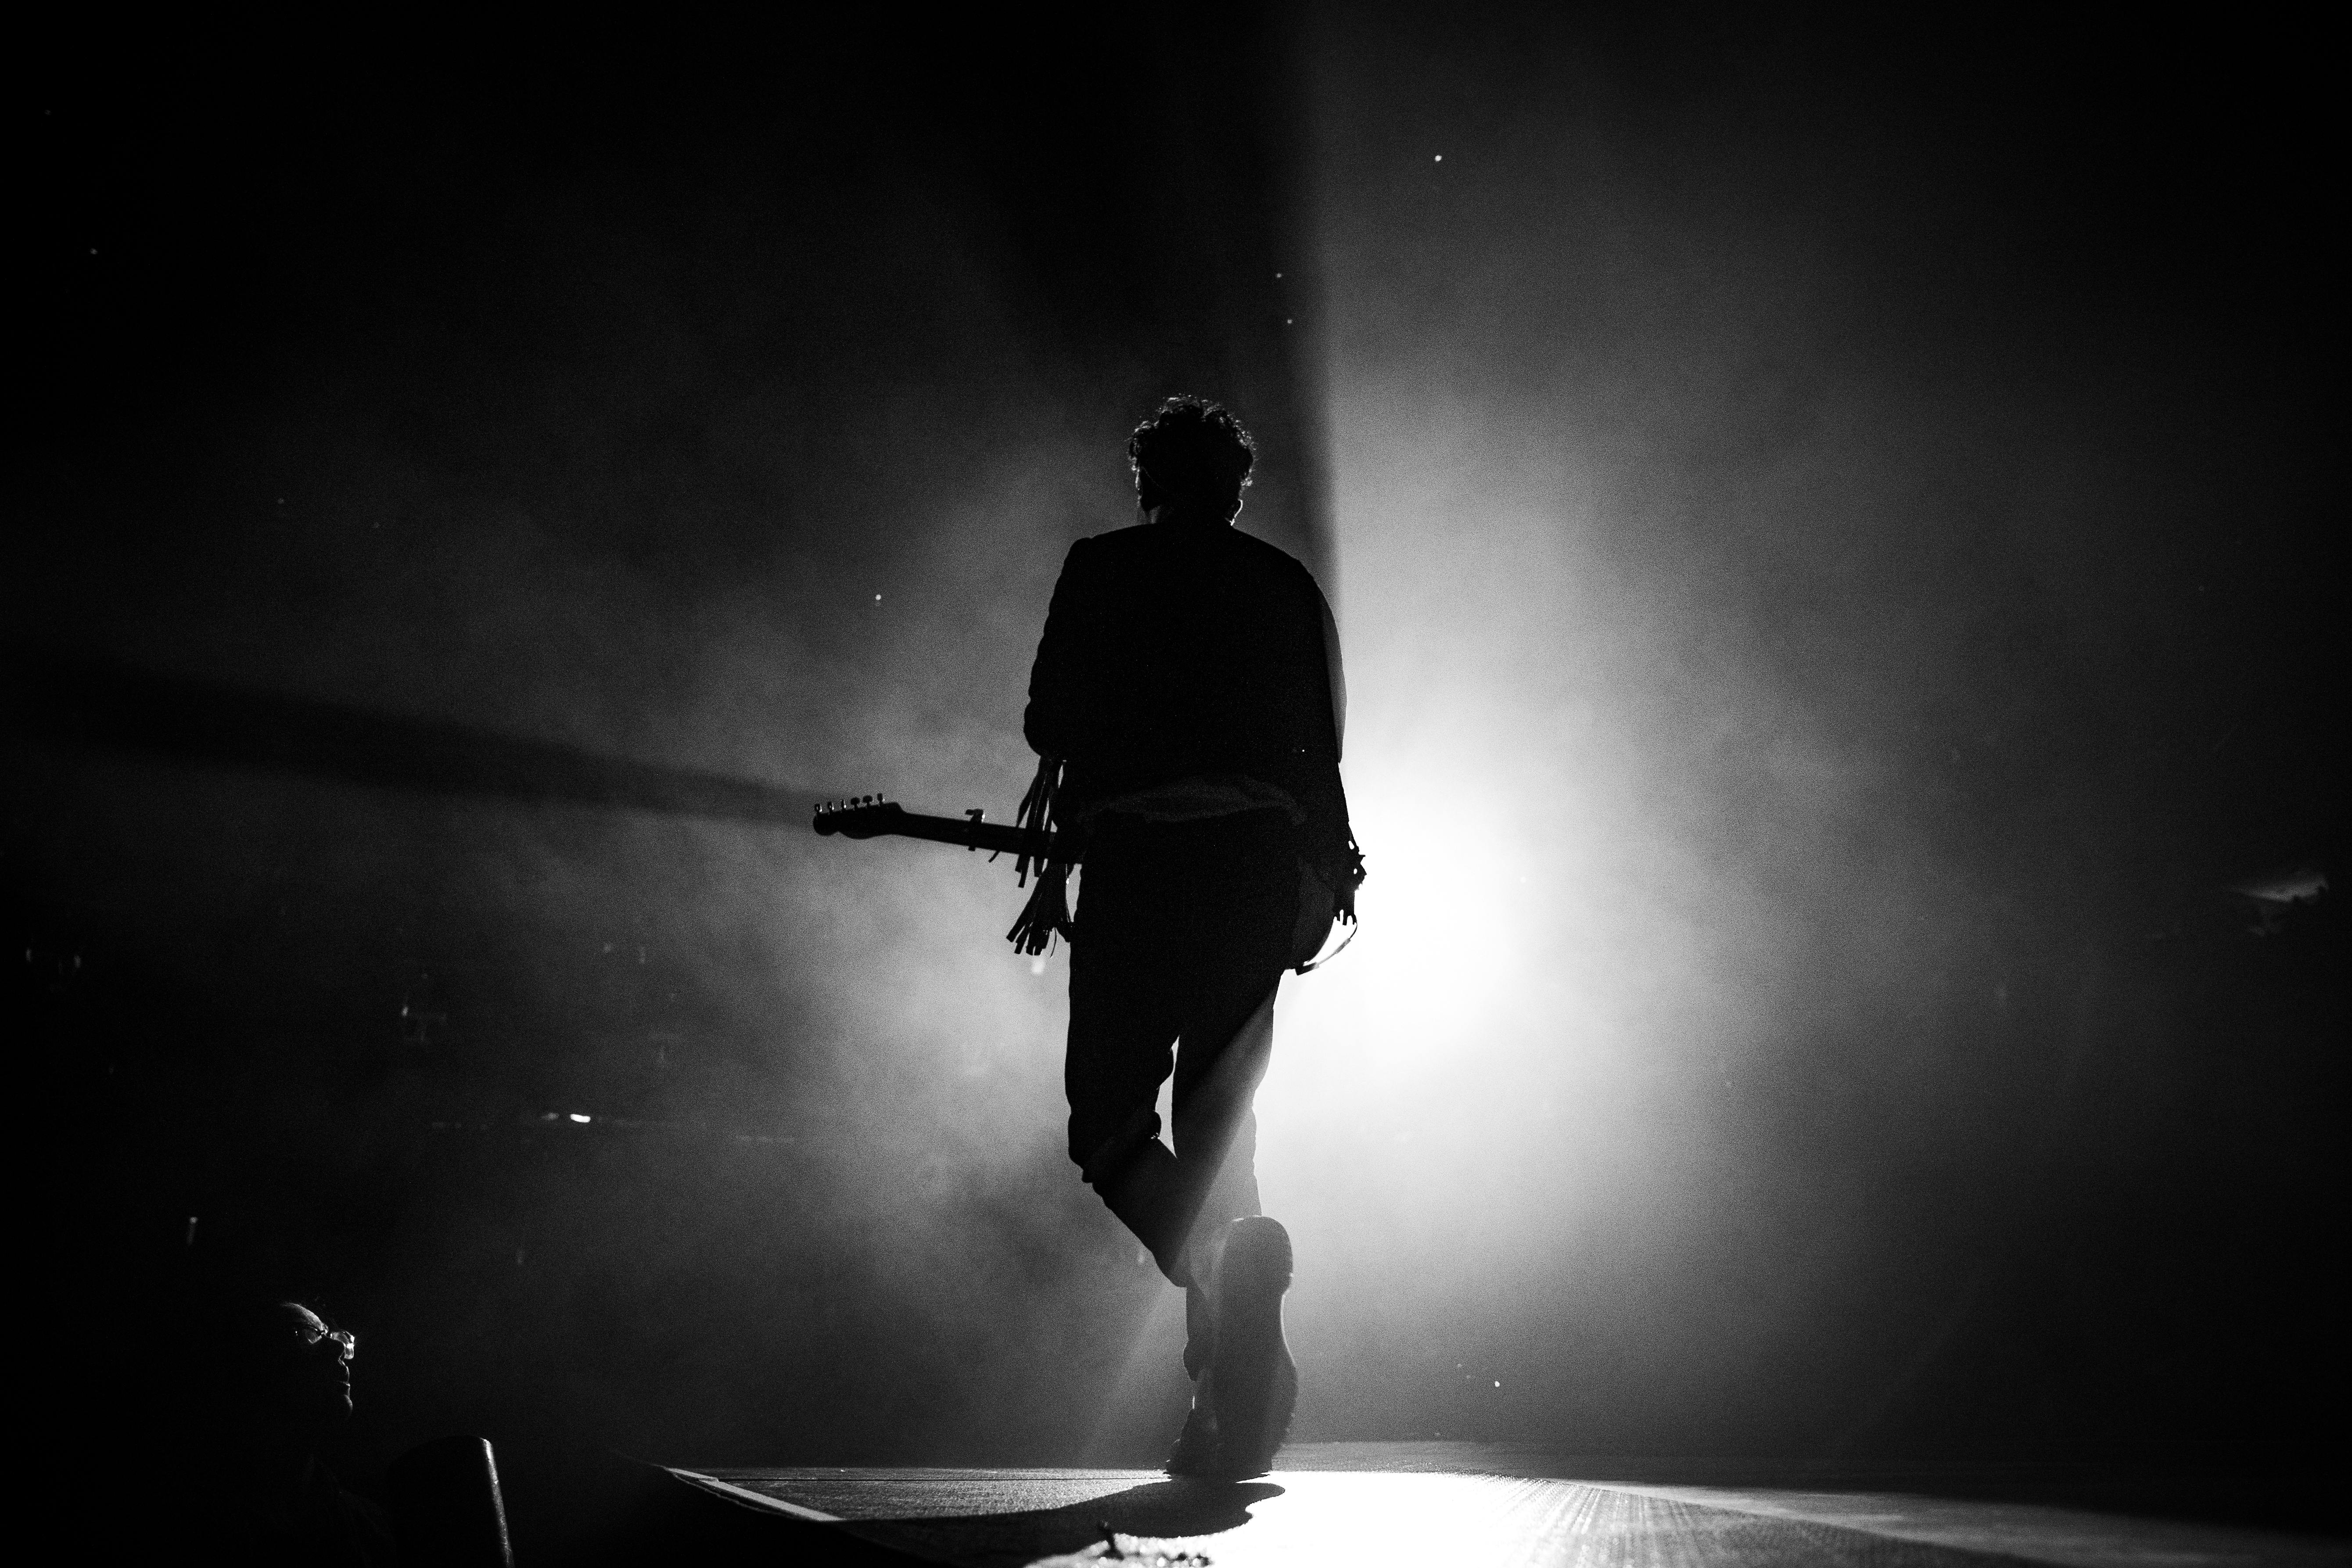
pixel 397 402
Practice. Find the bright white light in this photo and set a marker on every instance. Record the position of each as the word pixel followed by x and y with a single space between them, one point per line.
pixel 1442 914
pixel 576 1116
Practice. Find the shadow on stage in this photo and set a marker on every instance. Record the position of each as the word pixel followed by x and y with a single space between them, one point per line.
pixel 678 1516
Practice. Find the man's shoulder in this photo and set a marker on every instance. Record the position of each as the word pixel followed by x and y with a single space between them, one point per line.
pixel 1266 554
pixel 1135 539
pixel 1150 543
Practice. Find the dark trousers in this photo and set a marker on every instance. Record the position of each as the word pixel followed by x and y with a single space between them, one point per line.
pixel 1183 931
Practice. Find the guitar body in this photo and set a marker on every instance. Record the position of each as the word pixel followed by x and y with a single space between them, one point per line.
pixel 1317 908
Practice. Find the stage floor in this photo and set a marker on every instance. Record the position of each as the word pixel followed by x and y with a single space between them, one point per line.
pixel 1368 1505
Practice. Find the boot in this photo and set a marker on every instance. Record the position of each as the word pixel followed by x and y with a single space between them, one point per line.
pixel 1252 1383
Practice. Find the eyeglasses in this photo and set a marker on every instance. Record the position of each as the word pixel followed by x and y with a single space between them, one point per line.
pixel 344 1341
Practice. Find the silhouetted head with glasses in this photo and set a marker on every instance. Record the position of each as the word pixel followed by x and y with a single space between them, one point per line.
pixel 1192 461
pixel 266 1367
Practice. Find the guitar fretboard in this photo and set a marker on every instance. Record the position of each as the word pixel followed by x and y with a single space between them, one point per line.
pixel 882 819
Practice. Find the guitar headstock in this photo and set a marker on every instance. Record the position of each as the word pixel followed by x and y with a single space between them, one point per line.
pixel 864 816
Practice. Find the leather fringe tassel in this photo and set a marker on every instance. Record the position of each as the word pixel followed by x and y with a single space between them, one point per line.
pixel 1036 813
pixel 1047 914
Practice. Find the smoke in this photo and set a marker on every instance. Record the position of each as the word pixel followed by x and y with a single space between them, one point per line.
pixel 737 1137
pixel 1771 540
pixel 1757 552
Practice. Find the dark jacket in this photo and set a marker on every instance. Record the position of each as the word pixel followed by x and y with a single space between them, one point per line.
pixel 1174 652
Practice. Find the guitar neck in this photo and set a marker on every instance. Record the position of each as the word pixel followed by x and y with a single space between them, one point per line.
pixel 996 837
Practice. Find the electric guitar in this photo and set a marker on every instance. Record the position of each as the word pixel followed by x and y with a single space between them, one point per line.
pixel 871 816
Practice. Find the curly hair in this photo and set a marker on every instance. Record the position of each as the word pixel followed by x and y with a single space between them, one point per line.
pixel 1196 449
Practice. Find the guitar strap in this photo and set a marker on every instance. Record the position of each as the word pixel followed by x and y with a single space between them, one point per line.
pixel 1312 964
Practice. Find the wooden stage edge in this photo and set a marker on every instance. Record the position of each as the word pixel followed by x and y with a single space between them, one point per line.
pixel 1369 1505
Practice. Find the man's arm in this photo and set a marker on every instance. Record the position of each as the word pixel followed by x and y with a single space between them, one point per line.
pixel 1329 839
pixel 1061 680
pixel 1334 673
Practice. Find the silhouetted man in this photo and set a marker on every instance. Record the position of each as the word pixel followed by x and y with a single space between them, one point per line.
pixel 258 1386
pixel 1188 686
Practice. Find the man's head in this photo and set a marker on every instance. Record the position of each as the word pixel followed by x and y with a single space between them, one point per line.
pixel 1192 457
pixel 310 1369
pixel 268 1369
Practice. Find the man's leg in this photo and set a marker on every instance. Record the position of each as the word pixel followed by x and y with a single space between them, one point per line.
pixel 1182 928
pixel 1240 1262
pixel 1215 1134
pixel 1123 1024
pixel 1238 929
pixel 1186 930
pixel 1216 1151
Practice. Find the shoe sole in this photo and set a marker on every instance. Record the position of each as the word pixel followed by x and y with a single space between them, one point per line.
pixel 1256 1380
